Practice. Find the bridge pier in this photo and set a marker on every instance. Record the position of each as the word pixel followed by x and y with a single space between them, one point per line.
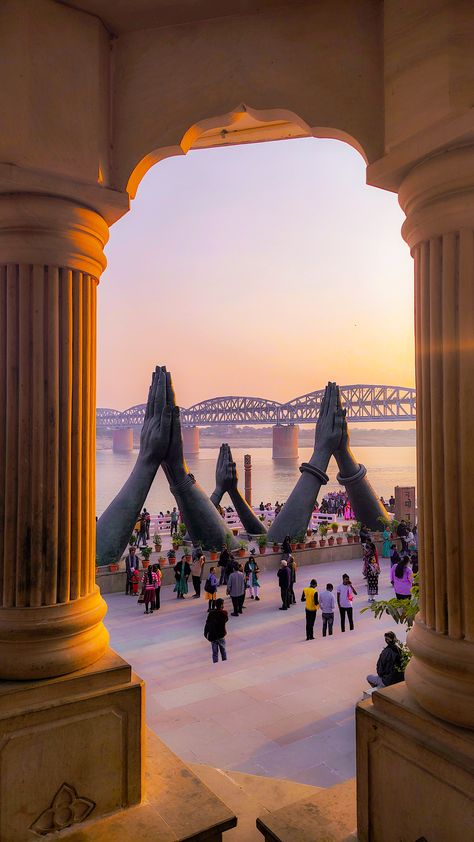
pixel 190 440
pixel 285 441
pixel 122 440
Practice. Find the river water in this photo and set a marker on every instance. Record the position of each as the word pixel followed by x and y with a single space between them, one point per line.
pixel 271 479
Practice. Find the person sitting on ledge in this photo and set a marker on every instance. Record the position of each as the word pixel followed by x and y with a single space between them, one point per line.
pixel 389 664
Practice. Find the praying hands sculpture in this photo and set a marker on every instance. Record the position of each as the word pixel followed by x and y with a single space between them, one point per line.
pixel 161 444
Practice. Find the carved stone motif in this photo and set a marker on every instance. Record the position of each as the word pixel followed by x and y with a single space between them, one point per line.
pixel 66 808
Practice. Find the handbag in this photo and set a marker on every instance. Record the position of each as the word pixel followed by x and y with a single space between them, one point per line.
pixel 208 587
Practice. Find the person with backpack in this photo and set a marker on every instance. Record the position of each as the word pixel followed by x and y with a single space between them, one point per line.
pixel 389 664
pixel 215 631
pixel 210 589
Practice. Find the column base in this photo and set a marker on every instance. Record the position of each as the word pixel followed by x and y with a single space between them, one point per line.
pixel 415 773
pixel 38 643
pixel 70 747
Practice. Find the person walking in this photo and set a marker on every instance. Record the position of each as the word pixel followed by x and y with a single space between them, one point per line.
pixel 149 582
pixel 236 591
pixel 373 573
pixel 215 631
pixel 327 604
pixel 401 577
pixel 386 544
pixel 389 664
pixel 345 595
pixel 284 581
pixel 310 597
pixel 210 588
pixel 196 572
pixel 159 576
pixel 224 559
pixel 251 571
pixel 147 517
pixel 131 564
pixel 181 573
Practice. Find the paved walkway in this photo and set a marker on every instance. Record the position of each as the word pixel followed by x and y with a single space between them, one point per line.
pixel 280 706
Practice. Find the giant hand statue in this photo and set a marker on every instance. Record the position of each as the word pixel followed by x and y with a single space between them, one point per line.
pixel 116 524
pixel 363 499
pixel 227 479
pixel 204 523
pixel 294 517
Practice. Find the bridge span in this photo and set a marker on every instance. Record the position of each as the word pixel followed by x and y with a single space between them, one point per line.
pixel 364 403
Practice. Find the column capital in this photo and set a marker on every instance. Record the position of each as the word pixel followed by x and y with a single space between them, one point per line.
pixel 437 196
pixel 46 230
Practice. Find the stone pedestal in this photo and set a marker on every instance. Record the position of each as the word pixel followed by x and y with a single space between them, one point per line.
pixel 70 748
pixel 190 440
pixel 122 440
pixel 285 441
pixel 414 772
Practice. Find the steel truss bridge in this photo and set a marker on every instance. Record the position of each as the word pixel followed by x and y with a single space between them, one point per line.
pixel 363 403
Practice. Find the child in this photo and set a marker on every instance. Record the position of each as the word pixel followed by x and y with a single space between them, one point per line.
pixel 211 588
pixel 135 581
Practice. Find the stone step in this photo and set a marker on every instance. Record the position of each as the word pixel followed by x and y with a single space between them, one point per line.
pixel 249 796
pixel 327 816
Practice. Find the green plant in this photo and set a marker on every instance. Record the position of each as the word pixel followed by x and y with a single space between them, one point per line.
pixel 228 540
pixel 176 541
pixel 403 611
pixel 323 529
pixel 146 552
pixel 301 537
pixel 334 527
pixel 132 541
pixel 242 545
pixel 262 518
pixel 262 540
pixel 394 524
pixel 385 522
pixel 182 530
pixel 157 539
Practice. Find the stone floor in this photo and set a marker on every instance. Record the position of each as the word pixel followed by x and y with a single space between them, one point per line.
pixel 279 706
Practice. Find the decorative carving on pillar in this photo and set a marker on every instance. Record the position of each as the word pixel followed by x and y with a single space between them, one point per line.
pixel 50 610
pixel 438 198
pixel 67 808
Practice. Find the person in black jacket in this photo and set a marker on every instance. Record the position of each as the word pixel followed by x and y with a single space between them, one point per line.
pixel 389 664
pixel 284 579
pixel 215 632
pixel 225 558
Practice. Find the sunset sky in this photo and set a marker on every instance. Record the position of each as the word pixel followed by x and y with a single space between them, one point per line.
pixel 265 270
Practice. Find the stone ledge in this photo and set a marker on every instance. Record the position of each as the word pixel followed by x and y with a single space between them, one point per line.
pixel 176 807
pixel 328 816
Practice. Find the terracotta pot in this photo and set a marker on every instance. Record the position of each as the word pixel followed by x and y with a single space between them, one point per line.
pixel 241 553
pixel 300 545
pixel 350 539
pixel 345 527
pixel 309 532
pixel 322 542
pixel 331 541
pixel 334 530
pixel 275 548
pixel 113 568
pixel 339 539
pixel 293 547
pixel 145 563
pixel 356 539
pixel 262 550
pixel 213 556
pixel 235 531
pixel 157 548
pixel 312 544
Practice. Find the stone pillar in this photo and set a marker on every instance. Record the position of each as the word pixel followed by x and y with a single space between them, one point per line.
pixel 248 478
pixel 122 440
pixel 51 256
pixel 285 441
pixel 438 199
pixel 190 440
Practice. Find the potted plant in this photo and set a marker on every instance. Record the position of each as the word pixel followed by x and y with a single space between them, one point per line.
pixel 335 527
pixel 132 540
pixel 171 556
pixel 262 543
pixel 301 540
pixel 146 553
pixel 312 543
pixel 213 554
pixel 114 566
pixel 331 541
pixel 293 543
pixel 355 534
pixel 182 530
pixel 345 527
pixel 350 538
pixel 176 543
pixel 235 530
pixel 275 547
pixel 157 542
pixel 323 531
pixel 242 547
pixel 187 555
pixel 339 539
pixel 161 562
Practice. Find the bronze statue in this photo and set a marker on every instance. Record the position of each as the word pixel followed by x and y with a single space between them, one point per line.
pixel 161 444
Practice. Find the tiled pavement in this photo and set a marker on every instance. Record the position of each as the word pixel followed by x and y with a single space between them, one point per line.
pixel 280 706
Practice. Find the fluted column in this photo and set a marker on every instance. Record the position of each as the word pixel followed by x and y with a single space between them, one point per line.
pixel 51 256
pixel 438 198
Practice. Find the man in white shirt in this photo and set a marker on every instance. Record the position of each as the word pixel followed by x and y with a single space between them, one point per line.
pixel 327 603
pixel 345 594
